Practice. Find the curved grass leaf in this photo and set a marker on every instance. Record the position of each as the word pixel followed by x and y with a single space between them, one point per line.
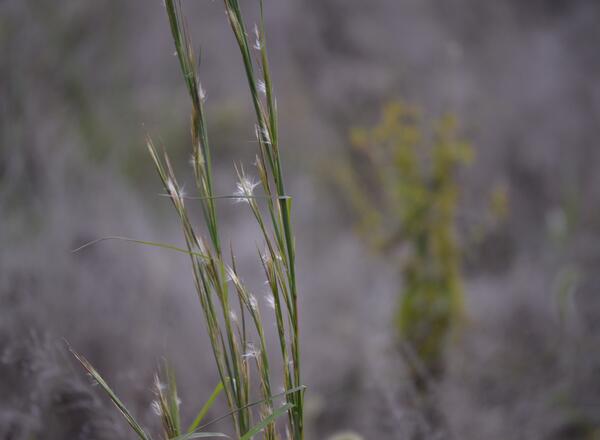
pixel 133 240
pixel 192 435
pixel 258 402
pixel 209 403
pixel 266 421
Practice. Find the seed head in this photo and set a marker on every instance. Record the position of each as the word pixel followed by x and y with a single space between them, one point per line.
pixel 156 408
pixel 230 274
pixel 270 299
pixel 171 187
pixel 262 134
pixel 244 189
pixel 253 302
pixel 257 44
pixel 251 351
pixel 262 87
pixel 174 191
pixel 158 385
pixel 201 92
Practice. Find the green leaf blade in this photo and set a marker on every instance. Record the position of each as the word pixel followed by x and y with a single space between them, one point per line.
pixel 266 421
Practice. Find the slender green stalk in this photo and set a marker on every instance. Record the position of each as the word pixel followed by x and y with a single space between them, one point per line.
pixel 270 162
pixel 230 337
pixel 239 346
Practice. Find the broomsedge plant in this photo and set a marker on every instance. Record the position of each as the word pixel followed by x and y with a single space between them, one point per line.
pixel 238 342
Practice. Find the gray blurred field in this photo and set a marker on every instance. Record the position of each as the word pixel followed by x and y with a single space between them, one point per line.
pixel 82 83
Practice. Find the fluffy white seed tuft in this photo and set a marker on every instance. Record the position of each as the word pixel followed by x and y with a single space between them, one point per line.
pixel 262 87
pixel 270 299
pixel 251 351
pixel 201 92
pixel 257 43
pixel 156 408
pixel 262 134
pixel 244 189
pixel 175 192
pixel 253 302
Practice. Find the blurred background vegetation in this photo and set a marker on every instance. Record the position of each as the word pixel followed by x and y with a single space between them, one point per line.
pixel 401 229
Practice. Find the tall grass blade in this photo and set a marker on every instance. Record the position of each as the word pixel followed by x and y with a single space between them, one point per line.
pixel 120 406
pixel 204 410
